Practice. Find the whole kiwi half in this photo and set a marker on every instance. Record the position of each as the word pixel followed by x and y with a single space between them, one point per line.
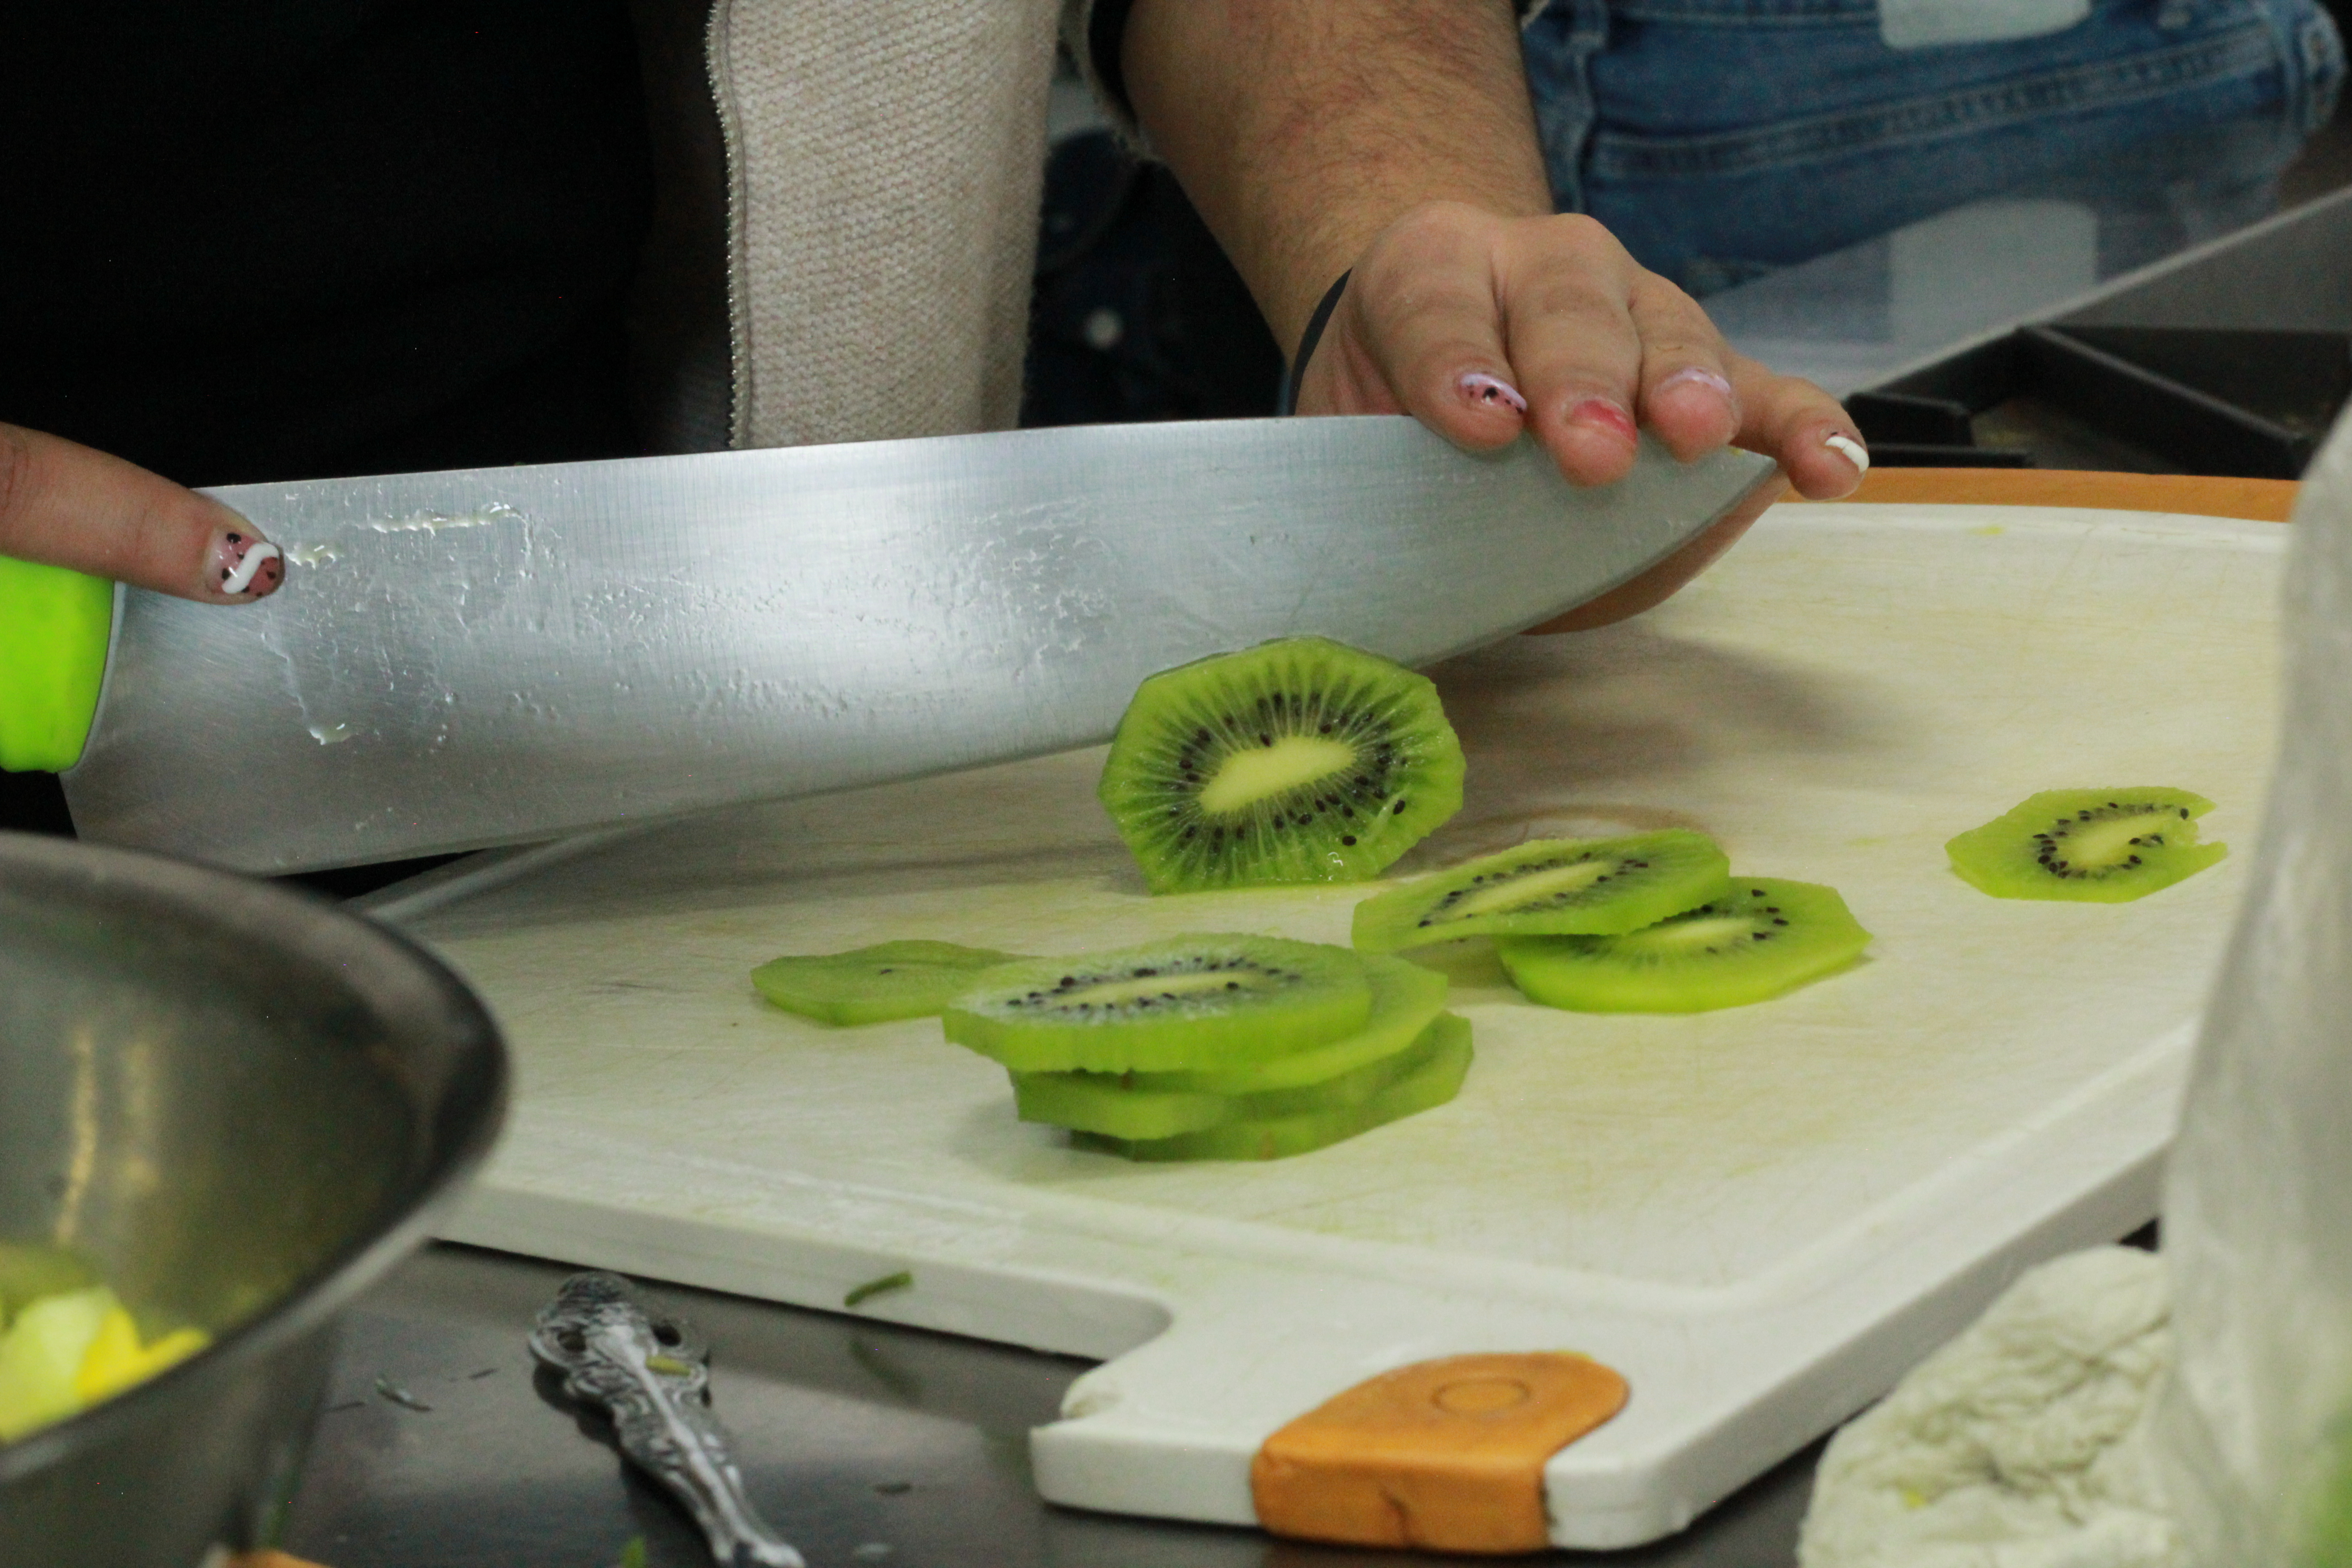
pixel 1298 761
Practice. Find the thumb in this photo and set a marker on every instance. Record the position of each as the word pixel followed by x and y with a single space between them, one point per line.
pixel 68 505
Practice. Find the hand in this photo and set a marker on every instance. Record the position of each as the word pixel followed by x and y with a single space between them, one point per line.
pixel 1482 326
pixel 68 506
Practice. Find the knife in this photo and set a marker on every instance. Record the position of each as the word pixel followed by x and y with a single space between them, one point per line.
pixel 498 656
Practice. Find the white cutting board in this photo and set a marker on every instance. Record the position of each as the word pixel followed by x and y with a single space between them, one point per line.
pixel 1760 1216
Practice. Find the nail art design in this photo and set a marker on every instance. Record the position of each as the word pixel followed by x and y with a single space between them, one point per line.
pixel 243 565
pixel 1700 374
pixel 1851 450
pixel 1603 413
pixel 1479 387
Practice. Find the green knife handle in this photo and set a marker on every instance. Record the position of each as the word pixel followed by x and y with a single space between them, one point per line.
pixel 54 628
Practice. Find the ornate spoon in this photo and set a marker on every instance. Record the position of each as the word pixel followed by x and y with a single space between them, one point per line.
pixel 652 1376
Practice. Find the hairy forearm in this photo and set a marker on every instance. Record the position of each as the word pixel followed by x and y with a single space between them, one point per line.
pixel 1301 129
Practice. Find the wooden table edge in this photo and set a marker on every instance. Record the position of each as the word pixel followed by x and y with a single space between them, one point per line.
pixel 2194 495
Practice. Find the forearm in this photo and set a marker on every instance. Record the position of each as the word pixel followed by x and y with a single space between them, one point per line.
pixel 1301 129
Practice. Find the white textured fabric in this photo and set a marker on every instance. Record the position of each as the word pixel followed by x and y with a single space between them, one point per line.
pixel 884 164
pixel 2257 1428
pixel 2022 1444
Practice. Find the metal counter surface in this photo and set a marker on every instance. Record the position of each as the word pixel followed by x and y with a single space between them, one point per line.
pixel 869 1446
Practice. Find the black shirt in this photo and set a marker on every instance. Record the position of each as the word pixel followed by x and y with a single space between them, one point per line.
pixel 248 240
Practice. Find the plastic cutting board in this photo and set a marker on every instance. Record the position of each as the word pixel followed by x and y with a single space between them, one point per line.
pixel 1760 1217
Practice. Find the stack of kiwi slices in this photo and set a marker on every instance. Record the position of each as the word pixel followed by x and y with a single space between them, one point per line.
pixel 1216 1048
pixel 1298 761
pixel 1653 923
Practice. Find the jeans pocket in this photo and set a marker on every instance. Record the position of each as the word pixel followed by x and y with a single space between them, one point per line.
pixel 1559 43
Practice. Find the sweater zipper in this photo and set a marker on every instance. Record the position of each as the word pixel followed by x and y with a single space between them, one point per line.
pixel 739 373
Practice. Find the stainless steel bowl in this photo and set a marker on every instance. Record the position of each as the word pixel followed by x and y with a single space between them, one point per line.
pixel 243 1106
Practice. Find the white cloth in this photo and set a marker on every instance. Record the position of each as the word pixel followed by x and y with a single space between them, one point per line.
pixel 2022 1444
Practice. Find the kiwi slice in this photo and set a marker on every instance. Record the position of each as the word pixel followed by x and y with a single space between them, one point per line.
pixel 1299 761
pixel 1552 887
pixel 1426 1075
pixel 1759 940
pixel 2100 845
pixel 1179 1003
pixel 1097 1103
pixel 874 984
pixel 1405 998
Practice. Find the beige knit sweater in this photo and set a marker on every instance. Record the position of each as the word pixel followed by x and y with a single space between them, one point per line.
pixel 883 165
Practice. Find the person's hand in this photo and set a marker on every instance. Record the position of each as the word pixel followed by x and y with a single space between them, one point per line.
pixel 1483 327
pixel 66 505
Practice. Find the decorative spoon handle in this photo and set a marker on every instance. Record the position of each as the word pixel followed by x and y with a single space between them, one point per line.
pixel 652 1376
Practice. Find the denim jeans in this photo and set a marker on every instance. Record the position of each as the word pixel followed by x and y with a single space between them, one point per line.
pixel 1722 138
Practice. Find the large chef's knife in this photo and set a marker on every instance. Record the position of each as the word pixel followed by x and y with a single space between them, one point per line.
pixel 502 655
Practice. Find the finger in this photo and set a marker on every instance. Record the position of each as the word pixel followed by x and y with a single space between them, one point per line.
pixel 70 506
pixel 1688 400
pixel 1416 332
pixel 1574 343
pixel 1802 427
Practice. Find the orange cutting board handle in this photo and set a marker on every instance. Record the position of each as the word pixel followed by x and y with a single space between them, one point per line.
pixel 1447 1456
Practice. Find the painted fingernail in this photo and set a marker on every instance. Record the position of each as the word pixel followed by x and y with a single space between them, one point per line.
pixel 1851 450
pixel 1601 414
pixel 1699 374
pixel 243 564
pixel 1479 387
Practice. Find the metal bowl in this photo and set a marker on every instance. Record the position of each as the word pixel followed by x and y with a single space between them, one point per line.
pixel 243 1106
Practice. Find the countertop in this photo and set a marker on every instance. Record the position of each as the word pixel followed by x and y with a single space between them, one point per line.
pixel 863 1443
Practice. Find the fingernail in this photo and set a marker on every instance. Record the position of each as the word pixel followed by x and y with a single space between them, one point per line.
pixel 1851 450
pixel 1602 413
pixel 1479 387
pixel 1698 376
pixel 243 565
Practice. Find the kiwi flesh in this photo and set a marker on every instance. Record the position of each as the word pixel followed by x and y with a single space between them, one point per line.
pixel 1298 761
pixel 1095 1102
pixel 1405 999
pixel 2098 846
pixel 1762 939
pixel 31 1269
pixel 1550 887
pixel 1183 1002
pixel 1426 1075
pixel 874 984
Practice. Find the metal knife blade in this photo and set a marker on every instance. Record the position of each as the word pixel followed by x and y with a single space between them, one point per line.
pixel 498 656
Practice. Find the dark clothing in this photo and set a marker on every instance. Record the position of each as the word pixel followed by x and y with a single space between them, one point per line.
pixel 248 240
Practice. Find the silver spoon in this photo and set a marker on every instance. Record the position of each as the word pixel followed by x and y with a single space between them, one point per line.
pixel 652 1376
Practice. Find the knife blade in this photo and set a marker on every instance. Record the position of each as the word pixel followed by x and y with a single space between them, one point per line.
pixel 499 656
